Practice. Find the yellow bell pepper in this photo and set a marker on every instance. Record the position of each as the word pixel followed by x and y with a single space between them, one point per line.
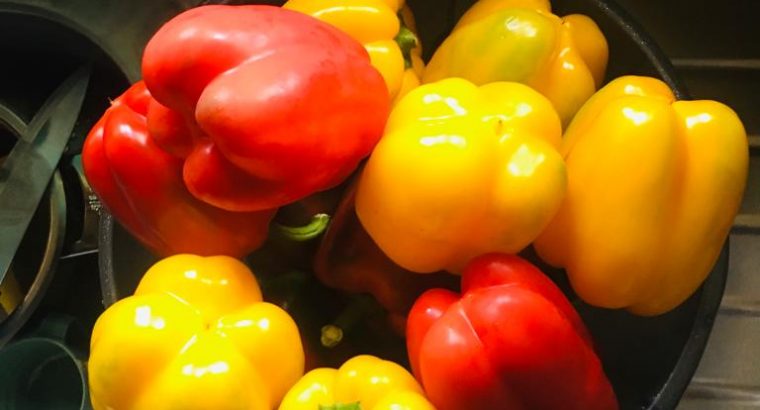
pixel 521 40
pixel 392 46
pixel 361 383
pixel 653 187
pixel 195 335
pixel 462 170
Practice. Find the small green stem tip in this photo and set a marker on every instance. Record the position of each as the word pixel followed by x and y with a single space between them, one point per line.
pixel 362 306
pixel 331 336
pixel 406 40
pixel 314 228
pixel 341 406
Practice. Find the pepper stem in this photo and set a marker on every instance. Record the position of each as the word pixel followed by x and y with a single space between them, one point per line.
pixel 406 40
pixel 314 228
pixel 360 307
pixel 331 336
pixel 341 406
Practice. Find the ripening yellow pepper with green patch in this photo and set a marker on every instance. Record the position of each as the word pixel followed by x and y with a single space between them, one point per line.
pixel 564 58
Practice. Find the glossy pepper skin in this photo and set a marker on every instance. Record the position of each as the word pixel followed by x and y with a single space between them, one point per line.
pixel 348 259
pixel 510 341
pixel 264 105
pixel 653 187
pixel 377 25
pixel 362 383
pixel 194 325
pixel 460 171
pixel 141 184
pixel 521 40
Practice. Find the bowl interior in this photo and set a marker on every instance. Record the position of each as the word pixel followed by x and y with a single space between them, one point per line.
pixel 649 360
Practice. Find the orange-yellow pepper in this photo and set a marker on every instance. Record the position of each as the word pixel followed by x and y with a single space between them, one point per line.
pixel 521 40
pixel 195 335
pixel 653 187
pixel 361 383
pixel 460 171
pixel 377 24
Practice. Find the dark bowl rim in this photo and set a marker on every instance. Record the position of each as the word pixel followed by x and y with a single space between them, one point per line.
pixel 647 44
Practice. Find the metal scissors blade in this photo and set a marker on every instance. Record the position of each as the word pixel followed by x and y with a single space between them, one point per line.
pixel 26 172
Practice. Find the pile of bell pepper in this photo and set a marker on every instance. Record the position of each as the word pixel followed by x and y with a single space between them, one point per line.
pixel 438 174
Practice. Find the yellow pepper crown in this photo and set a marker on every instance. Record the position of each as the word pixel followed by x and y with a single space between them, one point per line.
pixel 362 383
pixel 194 324
pixel 462 170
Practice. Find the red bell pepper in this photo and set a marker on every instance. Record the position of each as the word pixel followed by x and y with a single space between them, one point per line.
pixel 142 186
pixel 511 340
pixel 264 105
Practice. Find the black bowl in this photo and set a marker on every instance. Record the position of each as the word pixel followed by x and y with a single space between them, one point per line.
pixel 649 360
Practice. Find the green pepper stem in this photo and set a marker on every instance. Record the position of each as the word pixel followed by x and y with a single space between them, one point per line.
pixel 406 40
pixel 341 406
pixel 314 228
pixel 360 307
pixel 331 336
